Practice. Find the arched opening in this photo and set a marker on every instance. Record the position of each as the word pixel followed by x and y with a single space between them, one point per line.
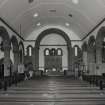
pixel 59 52
pixel 100 41
pixel 100 51
pixel 21 53
pixel 92 55
pixel 103 51
pixel 85 63
pixel 29 50
pixel 5 50
pixel 92 49
pixel 14 53
pixel 54 50
pixel 21 62
pixel 46 52
pixel 76 51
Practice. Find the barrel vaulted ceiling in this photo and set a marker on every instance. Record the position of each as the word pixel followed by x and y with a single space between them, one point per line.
pixel 80 16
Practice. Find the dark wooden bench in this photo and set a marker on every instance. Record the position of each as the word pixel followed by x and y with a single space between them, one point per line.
pixel 97 80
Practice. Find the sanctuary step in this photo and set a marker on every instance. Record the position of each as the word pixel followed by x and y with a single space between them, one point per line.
pixel 53 91
pixel 55 73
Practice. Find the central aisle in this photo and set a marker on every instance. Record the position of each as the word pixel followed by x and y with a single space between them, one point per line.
pixel 53 91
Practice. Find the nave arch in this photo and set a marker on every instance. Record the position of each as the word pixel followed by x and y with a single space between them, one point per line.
pixel 48 32
pixel 14 43
pixel 21 52
pixel 6 45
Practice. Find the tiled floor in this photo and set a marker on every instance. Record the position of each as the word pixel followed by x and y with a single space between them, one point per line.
pixel 53 91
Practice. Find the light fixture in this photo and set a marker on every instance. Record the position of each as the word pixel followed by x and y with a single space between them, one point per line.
pixel 35 15
pixel 30 1
pixel 52 10
pixel 67 24
pixel 70 15
pixel 75 1
pixel 38 24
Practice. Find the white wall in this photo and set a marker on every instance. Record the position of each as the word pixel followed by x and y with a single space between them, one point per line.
pixel 36 32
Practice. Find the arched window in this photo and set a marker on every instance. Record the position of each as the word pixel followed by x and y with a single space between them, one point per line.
pixel 103 51
pixel 76 51
pixel 30 51
pixel 12 54
pixel 53 52
pixel 47 52
pixel 59 51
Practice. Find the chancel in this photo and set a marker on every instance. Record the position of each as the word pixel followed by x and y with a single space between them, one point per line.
pixel 52 52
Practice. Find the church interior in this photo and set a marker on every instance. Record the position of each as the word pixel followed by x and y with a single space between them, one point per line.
pixel 52 52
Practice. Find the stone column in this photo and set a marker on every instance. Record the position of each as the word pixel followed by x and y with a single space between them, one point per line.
pixel 69 57
pixel 98 59
pixel 36 58
pixel 7 79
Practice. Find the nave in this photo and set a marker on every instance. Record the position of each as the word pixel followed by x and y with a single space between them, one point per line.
pixel 53 91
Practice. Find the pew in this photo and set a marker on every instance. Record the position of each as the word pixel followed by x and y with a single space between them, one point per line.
pixel 98 80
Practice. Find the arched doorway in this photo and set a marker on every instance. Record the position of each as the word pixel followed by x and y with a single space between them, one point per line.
pixel 92 55
pixel 15 51
pixel 49 32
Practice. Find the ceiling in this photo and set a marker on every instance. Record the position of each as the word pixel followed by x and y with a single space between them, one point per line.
pixel 84 16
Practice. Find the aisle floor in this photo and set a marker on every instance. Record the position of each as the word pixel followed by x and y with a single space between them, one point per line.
pixel 53 91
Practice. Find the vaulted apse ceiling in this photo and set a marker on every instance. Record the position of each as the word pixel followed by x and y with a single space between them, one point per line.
pixel 79 17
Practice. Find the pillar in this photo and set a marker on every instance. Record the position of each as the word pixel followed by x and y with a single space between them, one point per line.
pixel 16 60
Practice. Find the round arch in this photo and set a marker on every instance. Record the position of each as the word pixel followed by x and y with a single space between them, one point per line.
pixel 21 52
pixel 85 51
pixel 48 32
pixel 79 53
pixel 92 50
pixel 99 44
pixel 15 45
pixel 29 53
pixel 6 49
pixel 4 34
